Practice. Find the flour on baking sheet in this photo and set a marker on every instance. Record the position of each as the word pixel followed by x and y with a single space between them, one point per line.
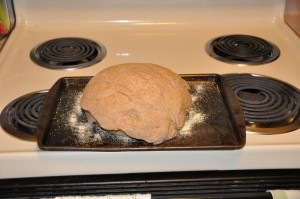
pixel 195 115
pixel 82 129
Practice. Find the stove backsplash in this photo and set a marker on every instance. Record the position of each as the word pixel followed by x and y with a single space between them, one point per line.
pixel 141 13
pixel 146 13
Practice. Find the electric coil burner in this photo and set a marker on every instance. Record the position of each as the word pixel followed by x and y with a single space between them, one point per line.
pixel 19 118
pixel 242 49
pixel 270 106
pixel 68 53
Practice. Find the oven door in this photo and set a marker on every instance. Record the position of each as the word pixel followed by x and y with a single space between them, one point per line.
pixel 197 184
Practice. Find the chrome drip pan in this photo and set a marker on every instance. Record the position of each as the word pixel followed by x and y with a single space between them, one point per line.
pixel 242 49
pixel 270 106
pixel 19 117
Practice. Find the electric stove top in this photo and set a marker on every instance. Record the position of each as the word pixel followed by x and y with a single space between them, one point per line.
pixel 172 34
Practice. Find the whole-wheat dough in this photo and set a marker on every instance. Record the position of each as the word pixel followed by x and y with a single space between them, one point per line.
pixel 144 101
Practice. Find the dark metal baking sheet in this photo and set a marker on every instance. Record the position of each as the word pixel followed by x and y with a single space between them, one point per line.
pixel 215 120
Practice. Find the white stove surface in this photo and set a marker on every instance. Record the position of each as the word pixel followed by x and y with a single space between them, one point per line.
pixel 169 33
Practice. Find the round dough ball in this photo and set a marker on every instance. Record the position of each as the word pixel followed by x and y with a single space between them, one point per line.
pixel 144 101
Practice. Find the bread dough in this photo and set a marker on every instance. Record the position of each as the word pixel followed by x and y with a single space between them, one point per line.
pixel 144 101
